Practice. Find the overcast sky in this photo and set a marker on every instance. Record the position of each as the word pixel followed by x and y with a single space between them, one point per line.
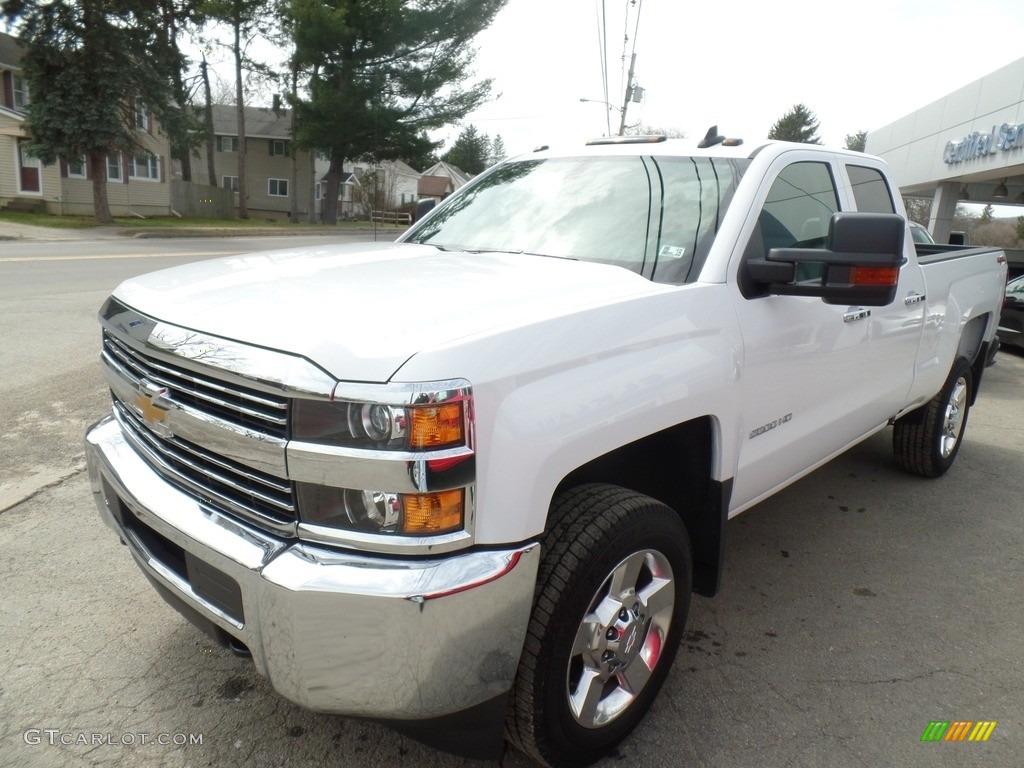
pixel 741 65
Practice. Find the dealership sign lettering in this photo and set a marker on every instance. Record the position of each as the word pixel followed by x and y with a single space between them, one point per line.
pixel 977 144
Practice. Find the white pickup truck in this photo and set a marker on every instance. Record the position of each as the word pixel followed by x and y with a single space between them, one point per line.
pixel 465 483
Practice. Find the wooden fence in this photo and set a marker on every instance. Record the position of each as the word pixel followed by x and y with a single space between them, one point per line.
pixel 202 201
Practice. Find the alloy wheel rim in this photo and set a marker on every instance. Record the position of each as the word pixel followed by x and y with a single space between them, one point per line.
pixel 621 639
pixel 953 418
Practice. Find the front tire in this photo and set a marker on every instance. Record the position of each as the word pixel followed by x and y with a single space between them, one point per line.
pixel 611 602
pixel 927 441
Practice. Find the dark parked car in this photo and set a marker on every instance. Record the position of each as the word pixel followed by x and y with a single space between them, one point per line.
pixel 1011 324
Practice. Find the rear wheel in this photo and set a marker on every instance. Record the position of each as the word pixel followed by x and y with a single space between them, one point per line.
pixel 611 603
pixel 927 440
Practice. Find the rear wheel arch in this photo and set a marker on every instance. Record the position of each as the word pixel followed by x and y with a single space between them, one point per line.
pixel 926 441
pixel 973 348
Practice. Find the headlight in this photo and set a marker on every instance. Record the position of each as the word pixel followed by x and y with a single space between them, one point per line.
pixel 394 461
pixel 403 514
pixel 415 427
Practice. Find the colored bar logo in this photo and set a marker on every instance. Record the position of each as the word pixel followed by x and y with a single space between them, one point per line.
pixel 958 730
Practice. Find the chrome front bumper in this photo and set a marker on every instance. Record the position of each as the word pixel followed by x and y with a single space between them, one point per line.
pixel 334 631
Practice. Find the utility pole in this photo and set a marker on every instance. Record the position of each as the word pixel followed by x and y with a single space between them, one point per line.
pixel 629 94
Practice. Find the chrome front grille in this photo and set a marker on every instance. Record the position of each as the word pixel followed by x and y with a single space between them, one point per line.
pixel 245 407
pixel 237 429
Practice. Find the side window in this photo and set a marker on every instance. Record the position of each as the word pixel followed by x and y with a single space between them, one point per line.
pixel 870 190
pixel 796 214
pixel 799 207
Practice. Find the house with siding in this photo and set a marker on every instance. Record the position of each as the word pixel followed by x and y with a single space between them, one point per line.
pixel 25 183
pixel 269 162
pixel 440 180
pixel 137 181
pixel 388 185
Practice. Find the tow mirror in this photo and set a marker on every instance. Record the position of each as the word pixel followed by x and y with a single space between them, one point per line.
pixel 861 264
pixel 423 207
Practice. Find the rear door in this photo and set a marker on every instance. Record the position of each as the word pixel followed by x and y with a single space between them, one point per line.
pixel 815 376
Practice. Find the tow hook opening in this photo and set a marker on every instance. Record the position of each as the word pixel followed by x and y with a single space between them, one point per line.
pixel 233 644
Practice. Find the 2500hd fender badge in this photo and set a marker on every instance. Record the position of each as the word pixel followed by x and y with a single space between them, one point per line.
pixel 770 426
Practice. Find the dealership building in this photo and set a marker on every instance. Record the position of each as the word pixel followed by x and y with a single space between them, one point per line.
pixel 965 147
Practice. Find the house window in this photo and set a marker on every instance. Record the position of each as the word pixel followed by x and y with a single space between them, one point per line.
pixel 76 168
pixel 113 168
pixel 229 182
pixel 20 92
pixel 144 167
pixel 278 148
pixel 228 143
pixel 318 192
pixel 277 187
pixel 141 116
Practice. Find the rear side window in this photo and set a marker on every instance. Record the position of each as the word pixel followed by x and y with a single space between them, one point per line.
pixel 870 190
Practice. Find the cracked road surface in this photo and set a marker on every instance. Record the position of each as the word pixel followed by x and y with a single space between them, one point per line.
pixel 857 606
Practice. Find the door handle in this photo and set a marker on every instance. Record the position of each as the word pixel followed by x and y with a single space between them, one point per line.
pixel 914 298
pixel 856 314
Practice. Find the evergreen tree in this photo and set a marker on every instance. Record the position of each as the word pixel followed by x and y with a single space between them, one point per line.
pixel 856 141
pixel 86 82
pixel 383 75
pixel 799 125
pixel 498 152
pixel 471 151
pixel 423 160
pixel 987 213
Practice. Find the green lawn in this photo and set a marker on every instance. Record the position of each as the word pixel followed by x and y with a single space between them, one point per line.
pixel 168 222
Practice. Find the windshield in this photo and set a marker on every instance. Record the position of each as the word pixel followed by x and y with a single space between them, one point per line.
pixel 654 216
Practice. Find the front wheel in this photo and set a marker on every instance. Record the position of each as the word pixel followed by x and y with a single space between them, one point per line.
pixel 926 441
pixel 611 603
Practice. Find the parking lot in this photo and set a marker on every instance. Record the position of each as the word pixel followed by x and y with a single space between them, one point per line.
pixel 858 606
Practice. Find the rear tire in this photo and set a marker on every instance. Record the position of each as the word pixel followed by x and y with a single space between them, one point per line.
pixel 611 602
pixel 927 441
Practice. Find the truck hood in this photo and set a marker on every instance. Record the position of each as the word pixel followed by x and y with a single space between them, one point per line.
pixel 361 311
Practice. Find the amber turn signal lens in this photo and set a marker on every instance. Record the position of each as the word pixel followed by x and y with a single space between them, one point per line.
pixel 433 513
pixel 436 426
pixel 874 276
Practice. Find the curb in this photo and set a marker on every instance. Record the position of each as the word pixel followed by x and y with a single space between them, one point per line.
pixel 152 234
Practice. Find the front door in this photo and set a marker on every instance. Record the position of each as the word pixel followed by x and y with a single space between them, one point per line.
pixel 29 171
pixel 816 376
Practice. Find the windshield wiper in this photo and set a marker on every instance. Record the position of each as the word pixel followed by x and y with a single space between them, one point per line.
pixel 519 252
pixel 439 246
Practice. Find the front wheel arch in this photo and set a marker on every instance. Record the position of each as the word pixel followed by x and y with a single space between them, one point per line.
pixel 610 606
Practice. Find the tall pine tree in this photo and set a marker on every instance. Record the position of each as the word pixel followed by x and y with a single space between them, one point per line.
pixel 471 151
pixel 799 125
pixel 384 73
pixel 89 65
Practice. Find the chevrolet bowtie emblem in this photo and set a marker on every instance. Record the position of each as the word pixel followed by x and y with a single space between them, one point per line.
pixel 152 406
